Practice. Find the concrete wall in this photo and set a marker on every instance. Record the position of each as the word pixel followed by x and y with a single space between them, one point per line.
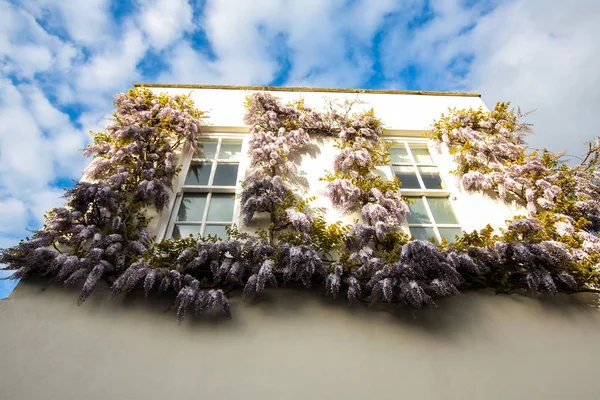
pixel 295 344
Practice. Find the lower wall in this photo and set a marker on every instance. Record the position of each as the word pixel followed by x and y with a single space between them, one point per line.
pixel 293 344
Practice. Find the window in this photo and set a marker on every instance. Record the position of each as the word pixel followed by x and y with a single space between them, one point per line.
pixel 429 197
pixel 206 203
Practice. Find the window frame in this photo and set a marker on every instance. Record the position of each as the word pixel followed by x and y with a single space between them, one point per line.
pixel 423 193
pixel 188 159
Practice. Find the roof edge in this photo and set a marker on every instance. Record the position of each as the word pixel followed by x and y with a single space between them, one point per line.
pixel 304 89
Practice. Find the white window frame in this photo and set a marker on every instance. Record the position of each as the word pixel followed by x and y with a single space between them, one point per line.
pixel 422 192
pixel 187 159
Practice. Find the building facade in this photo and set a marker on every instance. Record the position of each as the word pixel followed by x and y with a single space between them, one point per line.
pixel 296 343
pixel 206 190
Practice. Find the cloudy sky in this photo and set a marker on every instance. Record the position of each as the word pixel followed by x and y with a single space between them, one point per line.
pixel 62 60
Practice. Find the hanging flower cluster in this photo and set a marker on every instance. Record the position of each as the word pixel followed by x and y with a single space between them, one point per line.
pixel 563 202
pixel 101 232
pixel 355 184
pixel 379 263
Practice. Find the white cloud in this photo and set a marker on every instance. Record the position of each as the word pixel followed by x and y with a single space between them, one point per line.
pixel 24 155
pixel 537 54
pixel 26 48
pixel 86 22
pixel 164 21
pixel 43 201
pixel 188 65
pixel 545 56
pixel 325 43
pixel 49 118
pixel 13 215
pixel 112 69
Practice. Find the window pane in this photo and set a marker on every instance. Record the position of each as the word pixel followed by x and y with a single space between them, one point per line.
pixel 398 154
pixel 221 207
pixel 422 233
pixel 407 176
pixel 421 154
pixel 230 150
pixel 450 233
pixel 207 148
pixel 431 177
pixel 192 207
pixel 183 231
pixel 442 210
pixel 418 213
pixel 198 174
pixel 225 175
pixel 215 230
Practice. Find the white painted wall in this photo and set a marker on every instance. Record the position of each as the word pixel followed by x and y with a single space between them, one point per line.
pixel 398 111
pixel 296 344
pixel 403 115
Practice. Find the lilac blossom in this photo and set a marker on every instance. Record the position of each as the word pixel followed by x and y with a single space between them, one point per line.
pixel 299 220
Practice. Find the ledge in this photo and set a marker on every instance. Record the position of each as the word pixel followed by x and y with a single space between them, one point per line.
pixel 305 89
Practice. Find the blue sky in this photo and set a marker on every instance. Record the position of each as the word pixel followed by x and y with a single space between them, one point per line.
pixel 61 61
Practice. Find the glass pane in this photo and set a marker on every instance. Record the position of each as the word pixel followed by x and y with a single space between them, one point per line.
pixel 442 210
pixel 422 233
pixel 450 233
pixel 421 154
pixel 198 174
pixel 192 207
pixel 418 213
pixel 230 150
pixel 398 154
pixel 407 176
pixel 221 207
pixel 183 231
pixel 207 148
pixel 431 177
pixel 215 230
pixel 225 175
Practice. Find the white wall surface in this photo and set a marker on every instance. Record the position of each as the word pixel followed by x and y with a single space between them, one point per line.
pixel 296 344
pixel 398 111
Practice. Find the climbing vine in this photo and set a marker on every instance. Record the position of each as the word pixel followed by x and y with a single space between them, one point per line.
pixel 556 245
pixel 101 233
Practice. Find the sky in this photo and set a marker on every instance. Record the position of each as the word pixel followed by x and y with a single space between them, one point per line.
pixel 61 61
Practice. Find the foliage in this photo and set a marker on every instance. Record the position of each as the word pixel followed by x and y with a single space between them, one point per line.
pixel 562 202
pixel 101 232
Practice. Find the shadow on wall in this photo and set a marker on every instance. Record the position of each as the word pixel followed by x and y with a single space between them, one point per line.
pixel 294 343
pixel 452 317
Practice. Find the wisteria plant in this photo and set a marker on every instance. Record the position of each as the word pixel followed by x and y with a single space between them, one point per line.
pixel 101 233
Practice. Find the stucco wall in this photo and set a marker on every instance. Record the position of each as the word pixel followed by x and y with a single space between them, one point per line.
pixel 293 344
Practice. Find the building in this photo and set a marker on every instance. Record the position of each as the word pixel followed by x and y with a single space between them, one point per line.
pixel 303 346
